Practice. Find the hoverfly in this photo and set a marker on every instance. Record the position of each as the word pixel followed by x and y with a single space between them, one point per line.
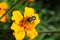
pixel 27 20
pixel 30 19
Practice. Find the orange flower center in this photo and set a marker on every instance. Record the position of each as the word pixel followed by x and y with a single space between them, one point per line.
pixel 27 23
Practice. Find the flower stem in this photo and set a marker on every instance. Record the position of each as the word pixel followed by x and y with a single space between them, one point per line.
pixel 50 31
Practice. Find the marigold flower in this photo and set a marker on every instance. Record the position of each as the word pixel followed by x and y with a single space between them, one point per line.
pixel 30 1
pixel 3 7
pixel 25 24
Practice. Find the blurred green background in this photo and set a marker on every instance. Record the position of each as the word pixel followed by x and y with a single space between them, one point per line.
pixel 49 13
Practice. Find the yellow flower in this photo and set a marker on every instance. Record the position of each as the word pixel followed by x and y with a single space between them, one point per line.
pixel 25 24
pixel 3 7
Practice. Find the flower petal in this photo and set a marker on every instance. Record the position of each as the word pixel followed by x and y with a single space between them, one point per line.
pixel 4 19
pixel 3 5
pixel 17 16
pixel 32 33
pixel 16 27
pixel 20 35
pixel 28 11
pixel 37 19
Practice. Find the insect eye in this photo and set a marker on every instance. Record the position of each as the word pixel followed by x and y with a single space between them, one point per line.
pixel 33 17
